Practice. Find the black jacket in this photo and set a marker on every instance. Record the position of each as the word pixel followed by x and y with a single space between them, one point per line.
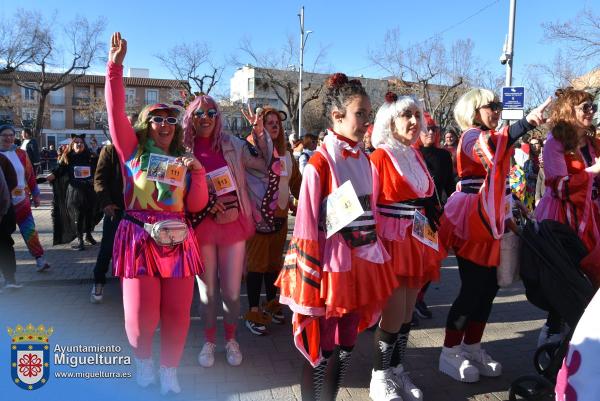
pixel 108 180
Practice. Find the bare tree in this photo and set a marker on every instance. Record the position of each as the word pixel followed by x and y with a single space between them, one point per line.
pixel 275 75
pixel 430 72
pixel 191 63
pixel 19 40
pixel 581 35
pixel 78 41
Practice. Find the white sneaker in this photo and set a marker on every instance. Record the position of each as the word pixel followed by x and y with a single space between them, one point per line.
pixel 383 387
pixel 41 264
pixel 454 363
pixel 168 380
pixel 144 373
pixel 97 293
pixel 410 392
pixel 482 360
pixel 234 355
pixel 206 357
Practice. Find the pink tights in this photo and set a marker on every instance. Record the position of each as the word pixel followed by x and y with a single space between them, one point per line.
pixel 148 300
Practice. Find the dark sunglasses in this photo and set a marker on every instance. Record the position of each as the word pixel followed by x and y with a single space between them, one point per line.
pixel 587 107
pixel 431 128
pixel 493 106
pixel 160 120
pixel 211 113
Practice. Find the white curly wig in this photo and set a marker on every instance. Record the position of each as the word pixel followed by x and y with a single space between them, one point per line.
pixel 382 128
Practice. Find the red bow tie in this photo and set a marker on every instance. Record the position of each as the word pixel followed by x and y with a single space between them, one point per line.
pixel 346 153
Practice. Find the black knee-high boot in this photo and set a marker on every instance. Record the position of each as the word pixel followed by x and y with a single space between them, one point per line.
pixel 385 343
pixel 400 345
pixel 313 378
pixel 336 372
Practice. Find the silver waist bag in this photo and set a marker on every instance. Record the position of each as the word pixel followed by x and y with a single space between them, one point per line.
pixel 167 232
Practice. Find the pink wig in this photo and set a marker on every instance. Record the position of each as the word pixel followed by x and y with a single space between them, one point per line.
pixel 189 133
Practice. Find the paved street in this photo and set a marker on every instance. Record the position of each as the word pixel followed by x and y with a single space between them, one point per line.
pixel 271 367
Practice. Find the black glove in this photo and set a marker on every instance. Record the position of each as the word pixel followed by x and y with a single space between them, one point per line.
pixel 433 213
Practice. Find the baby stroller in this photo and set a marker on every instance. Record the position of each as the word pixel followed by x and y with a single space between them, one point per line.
pixel 549 267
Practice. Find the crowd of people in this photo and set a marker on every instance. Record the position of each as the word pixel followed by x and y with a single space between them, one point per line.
pixel 379 201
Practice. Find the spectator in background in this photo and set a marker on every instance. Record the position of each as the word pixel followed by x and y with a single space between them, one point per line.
pixel 531 170
pixel 30 145
pixel 521 155
pixel 52 157
pixel 74 197
pixel 108 185
pixel 94 147
pixel 540 184
pixel 26 191
pixel 309 144
pixel 439 166
pixel 450 144
pixel 8 262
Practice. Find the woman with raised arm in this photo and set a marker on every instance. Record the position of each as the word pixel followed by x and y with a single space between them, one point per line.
pixel 473 225
pixel 155 254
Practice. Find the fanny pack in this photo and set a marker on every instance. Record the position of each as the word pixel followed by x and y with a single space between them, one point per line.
pixel 165 233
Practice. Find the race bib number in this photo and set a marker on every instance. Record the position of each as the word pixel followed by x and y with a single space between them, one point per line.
pixel 342 208
pixel 165 169
pixel 18 192
pixel 422 231
pixel 82 172
pixel 222 180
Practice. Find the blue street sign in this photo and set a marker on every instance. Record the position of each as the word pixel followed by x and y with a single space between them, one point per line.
pixel 513 97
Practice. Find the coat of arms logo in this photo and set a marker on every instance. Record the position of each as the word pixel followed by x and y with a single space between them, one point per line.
pixel 30 355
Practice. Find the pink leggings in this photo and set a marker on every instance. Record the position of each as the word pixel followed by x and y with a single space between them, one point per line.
pixel 148 300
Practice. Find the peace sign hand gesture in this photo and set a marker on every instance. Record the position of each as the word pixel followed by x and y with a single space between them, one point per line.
pixel 536 116
pixel 254 119
pixel 118 48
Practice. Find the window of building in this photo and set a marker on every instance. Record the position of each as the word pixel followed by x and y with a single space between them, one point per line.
pixel 58 96
pixel 5 91
pixel 81 95
pixel 250 85
pixel 130 96
pixel 28 117
pixel 80 119
pixel 151 96
pixel 57 119
pixel 28 94
pixel 6 117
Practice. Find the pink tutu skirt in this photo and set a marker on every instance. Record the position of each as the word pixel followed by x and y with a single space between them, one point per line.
pixel 135 253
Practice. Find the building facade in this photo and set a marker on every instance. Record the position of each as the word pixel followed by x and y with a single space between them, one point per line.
pixel 78 107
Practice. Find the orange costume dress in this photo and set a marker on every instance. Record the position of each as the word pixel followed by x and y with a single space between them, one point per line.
pixel 345 273
pixel 402 183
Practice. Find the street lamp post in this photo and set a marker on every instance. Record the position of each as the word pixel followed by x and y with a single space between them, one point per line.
pixel 507 57
pixel 303 39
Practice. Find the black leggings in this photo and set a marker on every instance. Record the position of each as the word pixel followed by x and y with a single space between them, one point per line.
pixel 477 292
pixel 254 282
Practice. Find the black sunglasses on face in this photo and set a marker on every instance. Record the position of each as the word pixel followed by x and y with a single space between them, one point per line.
pixel 160 120
pixel 211 113
pixel 587 107
pixel 493 106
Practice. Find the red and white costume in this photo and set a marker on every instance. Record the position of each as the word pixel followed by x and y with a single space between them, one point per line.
pixel 327 278
pixel 401 182
pixel 571 198
pixel 473 219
